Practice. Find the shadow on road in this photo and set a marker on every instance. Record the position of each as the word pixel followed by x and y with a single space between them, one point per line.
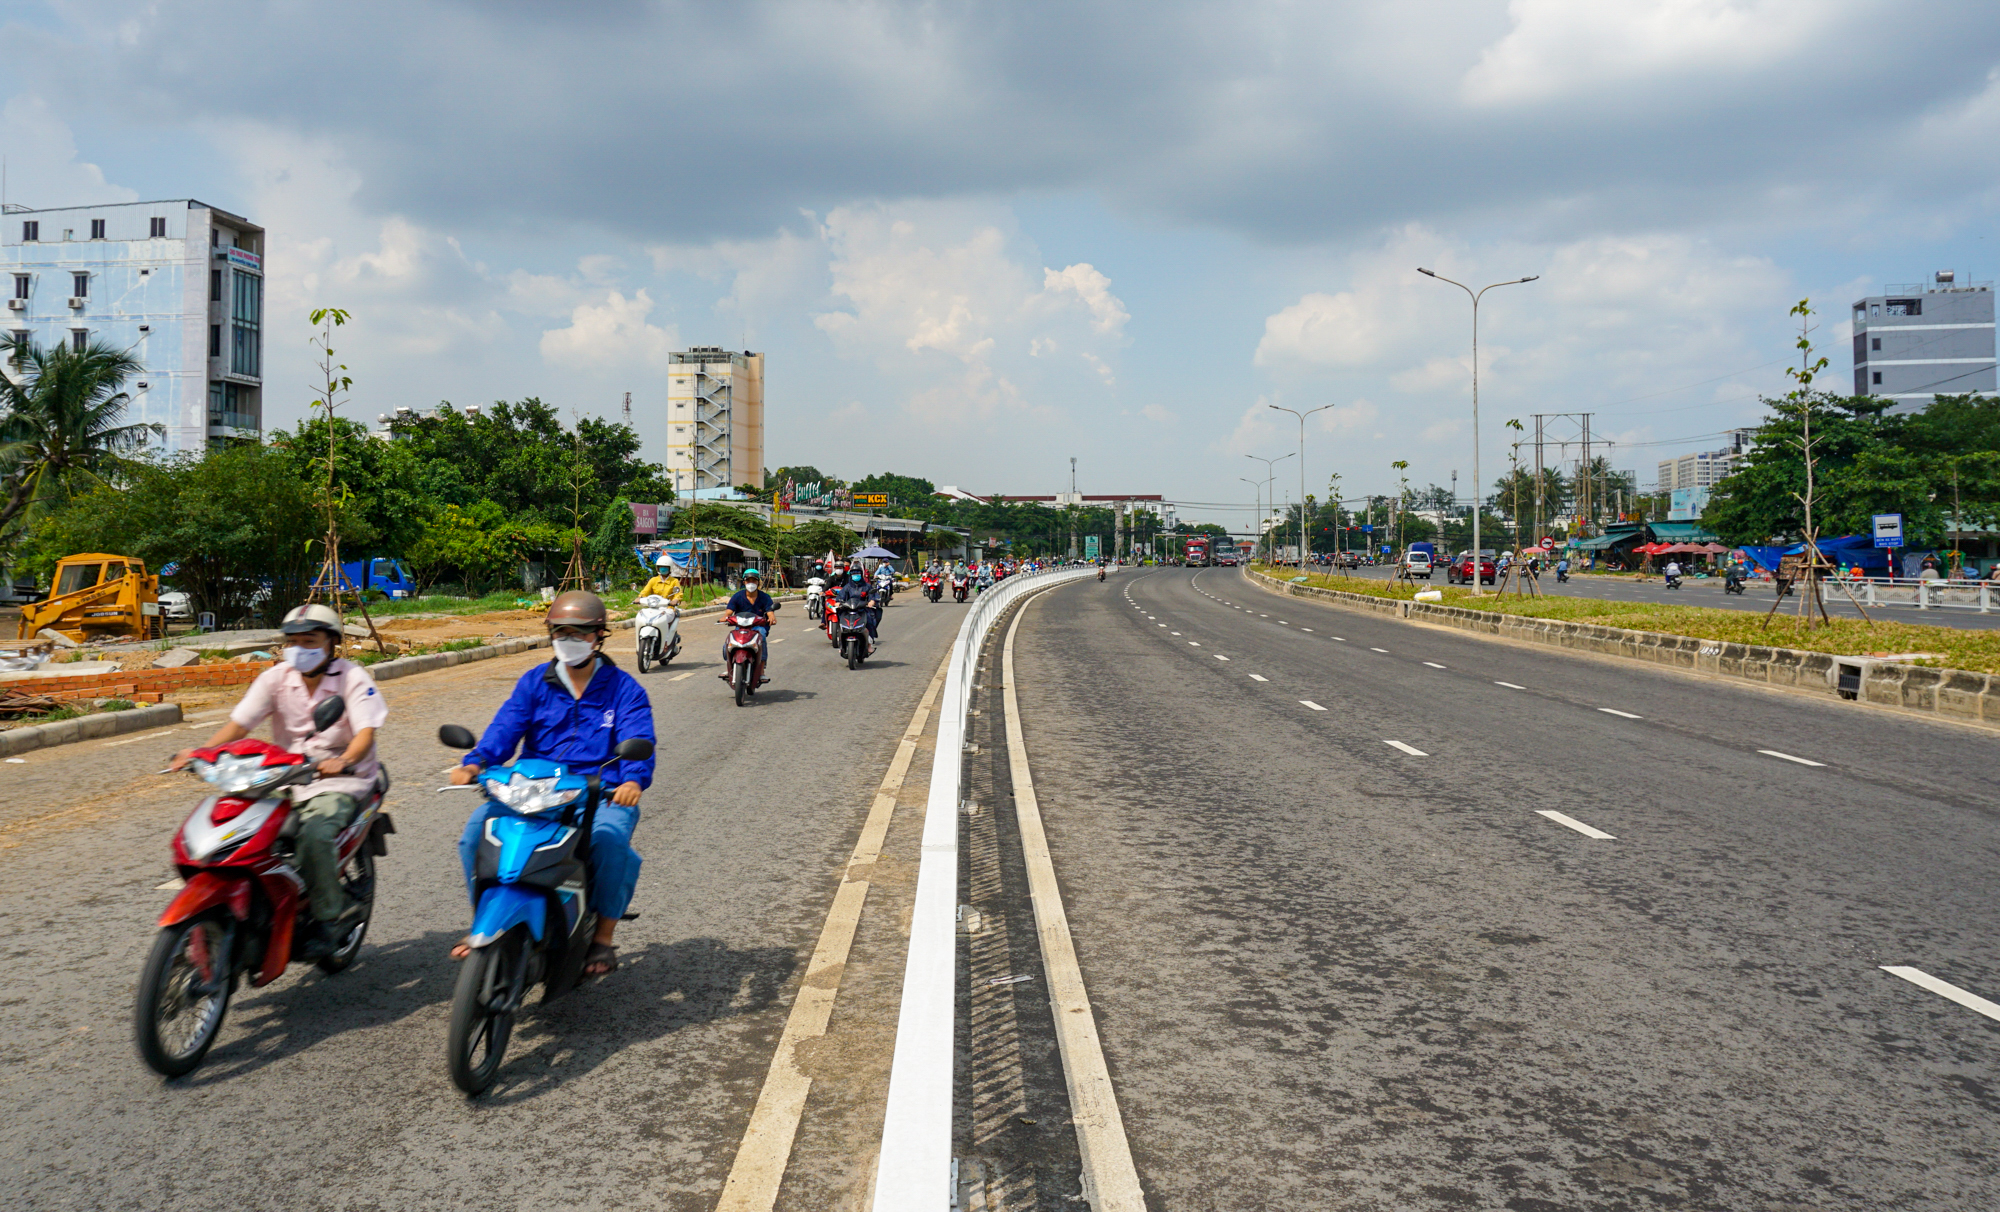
pixel 657 990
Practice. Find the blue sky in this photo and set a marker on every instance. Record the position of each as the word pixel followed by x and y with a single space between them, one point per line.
pixel 976 240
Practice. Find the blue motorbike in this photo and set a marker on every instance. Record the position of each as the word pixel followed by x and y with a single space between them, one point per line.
pixel 531 885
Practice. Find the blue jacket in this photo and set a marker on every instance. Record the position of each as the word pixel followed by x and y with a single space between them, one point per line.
pixel 544 719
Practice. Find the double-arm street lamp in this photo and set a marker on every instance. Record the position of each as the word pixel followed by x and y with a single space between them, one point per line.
pixel 1476 482
pixel 1270 467
pixel 1302 472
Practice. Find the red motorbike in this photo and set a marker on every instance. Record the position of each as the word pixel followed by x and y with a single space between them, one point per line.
pixel 933 587
pixel 961 585
pixel 243 907
pixel 742 668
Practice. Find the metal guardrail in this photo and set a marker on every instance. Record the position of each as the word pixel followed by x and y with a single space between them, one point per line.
pixel 1924 595
pixel 913 1172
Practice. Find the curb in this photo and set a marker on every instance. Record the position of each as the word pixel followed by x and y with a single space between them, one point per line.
pixel 88 728
pixel 1955 694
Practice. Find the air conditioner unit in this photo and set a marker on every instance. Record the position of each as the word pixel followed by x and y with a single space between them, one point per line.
pixel 17 305
pixel 78 302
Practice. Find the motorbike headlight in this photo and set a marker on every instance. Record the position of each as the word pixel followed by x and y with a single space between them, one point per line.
pixel 234 774
pixel 529 796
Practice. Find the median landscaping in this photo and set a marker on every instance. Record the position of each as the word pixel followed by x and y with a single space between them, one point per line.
pixel 1909 643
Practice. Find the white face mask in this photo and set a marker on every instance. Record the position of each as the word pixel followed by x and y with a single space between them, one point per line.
pixel 573 652
pixel 305 660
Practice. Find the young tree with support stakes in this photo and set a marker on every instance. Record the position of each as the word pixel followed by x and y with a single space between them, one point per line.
pixel 332 494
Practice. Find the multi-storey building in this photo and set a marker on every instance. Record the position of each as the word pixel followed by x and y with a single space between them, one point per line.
pixel 179 283
pixel 1706 468
pixel 1924 340
pixel 715 419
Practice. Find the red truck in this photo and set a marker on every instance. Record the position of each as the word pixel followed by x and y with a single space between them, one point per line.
pixel 1196 552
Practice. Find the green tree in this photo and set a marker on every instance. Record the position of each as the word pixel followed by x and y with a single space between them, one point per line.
pixel 62 424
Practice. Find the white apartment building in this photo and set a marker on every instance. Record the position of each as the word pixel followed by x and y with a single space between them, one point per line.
pixel 715 419
pixel 1707 468
pixel 178 282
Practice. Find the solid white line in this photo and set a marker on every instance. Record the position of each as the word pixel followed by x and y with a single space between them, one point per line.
pixel 677 677
pixel 1621 714
pixel 1434 664
pixel 1924 980
pixel 1788 757
pixel 759 1168
pixel 1218 656
pixel 1412 750
pixel 1510 685
pixel 1110 1179
pixel 1313 705
pixel 1258 677
pixel 1575 824
pixel 128 741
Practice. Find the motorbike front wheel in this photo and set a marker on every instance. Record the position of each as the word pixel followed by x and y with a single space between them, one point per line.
pixel 645 654
pixel 740 678
pixel 482 1012
pixel 183 994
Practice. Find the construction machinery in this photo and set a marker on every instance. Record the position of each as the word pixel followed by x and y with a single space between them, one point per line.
pixel 97 596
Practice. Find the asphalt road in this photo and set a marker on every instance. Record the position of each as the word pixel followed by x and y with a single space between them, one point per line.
pixel 330 1093
pixel 1757 597
pixel 1339 959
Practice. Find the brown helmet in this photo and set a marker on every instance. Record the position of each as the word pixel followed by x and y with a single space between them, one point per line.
pixel 577 608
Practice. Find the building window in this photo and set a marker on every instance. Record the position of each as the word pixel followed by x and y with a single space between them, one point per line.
pixel 31 231
pixel 215 286
pixel 1905 307
pixel 79 286
pixel 20 336
pixel 1875 343
pixel 158 227
pixel 1878 379
pixel 215 238
pixel 216 401
pixel 20 286
pixel 97 229
pixel 246 322
pixel 215 340
pixel 79 339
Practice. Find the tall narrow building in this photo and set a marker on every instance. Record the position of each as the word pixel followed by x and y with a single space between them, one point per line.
pixel 1923 340
pixel 177 282
pixel 715 419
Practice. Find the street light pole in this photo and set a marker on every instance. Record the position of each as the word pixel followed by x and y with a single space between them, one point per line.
pixel 1302 473
pixel 1475 402
pixel 1258 486
pixel 1270 465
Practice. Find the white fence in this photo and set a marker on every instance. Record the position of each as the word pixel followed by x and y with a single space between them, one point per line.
pixel 913 1172
pixel 1924 595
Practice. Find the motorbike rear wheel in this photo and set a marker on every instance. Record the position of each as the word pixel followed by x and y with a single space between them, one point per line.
pixel 489 989
pixel 357 875
pixel 179 1011
pixel 739 678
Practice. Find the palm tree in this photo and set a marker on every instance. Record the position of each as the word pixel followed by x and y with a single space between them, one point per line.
pixel 61 414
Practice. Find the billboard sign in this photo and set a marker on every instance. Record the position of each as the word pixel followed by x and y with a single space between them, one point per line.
pixel 1090 547
pixel 645 518
pixel 871 498
pixel 1888 530
pixel 1687 504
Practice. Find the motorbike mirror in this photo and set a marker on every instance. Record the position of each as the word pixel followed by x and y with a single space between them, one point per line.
pixel 633 749
pixel 456 736
pixel 328 713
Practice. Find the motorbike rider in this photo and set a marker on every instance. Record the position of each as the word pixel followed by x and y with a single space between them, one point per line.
pixel 664 583
pixel 576 709
pixel 752 600
pixel 985 580
pixel 1673 572
pixel 855 592
pixel 286 693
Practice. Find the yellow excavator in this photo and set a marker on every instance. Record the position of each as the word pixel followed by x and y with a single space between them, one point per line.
pixel 98 596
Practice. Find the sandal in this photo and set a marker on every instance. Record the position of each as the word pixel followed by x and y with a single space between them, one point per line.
pixel 601 956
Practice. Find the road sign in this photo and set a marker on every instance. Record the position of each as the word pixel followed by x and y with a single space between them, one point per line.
pixel 871 498
pixel 1548 542
pixel 1388 550
pixel 1090 547
pixel 1367 530
pixel 1888 530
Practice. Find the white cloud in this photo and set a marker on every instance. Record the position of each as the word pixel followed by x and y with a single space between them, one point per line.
pixel 43 168
pixel 613 334
pixel 1107 312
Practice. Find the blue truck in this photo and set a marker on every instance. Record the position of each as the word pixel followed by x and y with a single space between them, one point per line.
pixel 385 573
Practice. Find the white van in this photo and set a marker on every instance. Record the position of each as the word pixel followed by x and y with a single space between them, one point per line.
pixel 1417 564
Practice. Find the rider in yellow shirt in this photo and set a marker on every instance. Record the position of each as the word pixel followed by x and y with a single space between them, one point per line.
pixel 664 583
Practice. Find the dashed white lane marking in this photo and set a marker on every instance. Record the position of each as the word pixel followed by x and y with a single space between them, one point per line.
pixel 1924 980
pixel 1305 629
pixel 1194 644
pixel 1159 624
pixel 1434 664
pixel 779 640
pixel 677 677
pixel 1313 705
pixel 1575 824
pixel 1378 650
pixel 114 744
pixel 1510 685
pixel 1788 757
pixel 1218 656
pixel 1624 715
pixel 17 761
pixel 1173 633
pixel 1283 623
pixel 1258 677
pixel 1341 638
pixel 1263 616
pixel 1412 750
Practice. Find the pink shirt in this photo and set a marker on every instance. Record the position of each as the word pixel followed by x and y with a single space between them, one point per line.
pixel 279 694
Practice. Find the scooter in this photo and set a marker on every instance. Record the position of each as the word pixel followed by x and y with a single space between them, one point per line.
pixel 531 883
pixel 961 586
pixel 243 907
pixel 815 598
pixel 1562 575
pixel 852 639
pixel 659 630
pixel 1673 582
pixel 1732 582
pixel 933 587
pixel 741 668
